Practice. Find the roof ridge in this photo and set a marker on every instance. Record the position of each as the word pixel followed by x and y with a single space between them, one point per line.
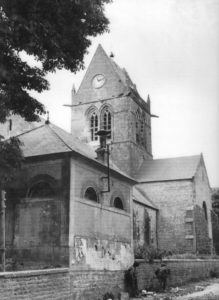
pixel 59 137
pixel 117 69
pixel 32 129
pixel 184 156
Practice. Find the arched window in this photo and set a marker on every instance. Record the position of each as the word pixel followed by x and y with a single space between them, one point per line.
pixel 204 206
pixel 41 189
pixel 94 126
pixel 118 203
pixel 106 121
pixel 142 134
pixel 140 128
pixel 137 128
pixel 90 194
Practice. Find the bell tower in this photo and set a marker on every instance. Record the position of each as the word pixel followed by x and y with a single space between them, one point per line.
pixel 108 100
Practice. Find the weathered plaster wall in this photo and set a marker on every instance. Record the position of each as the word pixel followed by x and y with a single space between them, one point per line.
pixel 100 234
pixel 37 228
pixel 174 199
pixel 144 230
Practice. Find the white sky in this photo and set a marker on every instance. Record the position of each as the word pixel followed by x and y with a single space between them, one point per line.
pixel 170 49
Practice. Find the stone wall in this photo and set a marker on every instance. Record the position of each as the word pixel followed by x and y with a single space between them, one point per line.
pixel 202 193
pixel 203 242
pixel 37 225
pixel 63 284
pixel 60 284
pixel 182 271
pixel 93 285
pixel 100 234
pixel 173 198
pixel 43 284
pixel 144 226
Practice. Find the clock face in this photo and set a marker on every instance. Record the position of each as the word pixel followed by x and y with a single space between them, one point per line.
pixel 98 81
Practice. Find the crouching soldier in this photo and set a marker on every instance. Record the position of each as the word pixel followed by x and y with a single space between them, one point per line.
pixel 162 274
pixel 131 280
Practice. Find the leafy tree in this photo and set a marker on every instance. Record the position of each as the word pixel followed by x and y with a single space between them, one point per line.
pixel 11 158
pixel 56 33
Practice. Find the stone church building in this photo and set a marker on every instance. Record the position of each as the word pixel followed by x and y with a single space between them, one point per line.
pixel 88 202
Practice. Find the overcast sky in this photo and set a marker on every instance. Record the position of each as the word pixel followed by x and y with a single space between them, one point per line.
pixel 170 49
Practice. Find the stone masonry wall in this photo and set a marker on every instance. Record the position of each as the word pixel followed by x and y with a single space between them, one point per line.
pixel 93 285
pixel 43 284
pixel 181 271
pixel 100 234
pixel 202 195
pixel 203 242
pixel 174 199
pixel 62 284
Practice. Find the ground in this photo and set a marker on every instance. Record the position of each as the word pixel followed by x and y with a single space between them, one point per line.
pixel 202 290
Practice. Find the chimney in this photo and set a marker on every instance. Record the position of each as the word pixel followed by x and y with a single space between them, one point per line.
pixel 73 92
pixel 103 150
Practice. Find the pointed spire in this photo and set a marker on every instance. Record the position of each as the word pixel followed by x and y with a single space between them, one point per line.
pixel 47 120
pixel 73 90
pixel 148 99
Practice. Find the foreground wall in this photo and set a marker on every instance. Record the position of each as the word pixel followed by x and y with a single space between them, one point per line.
pixel 60 284
pixel 182 271
pixel 42 284
pixel 63 284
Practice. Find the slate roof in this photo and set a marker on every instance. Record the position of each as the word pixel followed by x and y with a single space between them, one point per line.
pixel 51 139
pixel 19 125
pixel 140 196
pixel 176 168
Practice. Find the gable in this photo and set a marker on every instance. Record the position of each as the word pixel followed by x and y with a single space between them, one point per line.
pixel 114 85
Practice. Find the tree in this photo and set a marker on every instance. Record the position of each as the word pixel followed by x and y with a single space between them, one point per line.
pixel 11 158
pixel 56 33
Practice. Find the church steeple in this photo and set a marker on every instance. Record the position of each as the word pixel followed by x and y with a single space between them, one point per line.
pixel 108 99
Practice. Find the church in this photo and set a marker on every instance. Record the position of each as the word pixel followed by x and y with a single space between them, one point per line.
pixel 93 199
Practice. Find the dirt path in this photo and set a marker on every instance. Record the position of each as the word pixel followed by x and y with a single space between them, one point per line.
pixel 202 290
pixel 210 292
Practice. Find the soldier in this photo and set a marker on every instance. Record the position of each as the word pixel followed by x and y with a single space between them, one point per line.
pixel 131 280
pixel 162 273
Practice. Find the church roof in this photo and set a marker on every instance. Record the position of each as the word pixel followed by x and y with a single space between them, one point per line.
pixel 17 126
pixel 51 139
pixel 140 196
pixel 177 168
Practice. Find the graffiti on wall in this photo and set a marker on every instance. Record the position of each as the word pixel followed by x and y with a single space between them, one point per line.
pixel 80 249
pixel 102 254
